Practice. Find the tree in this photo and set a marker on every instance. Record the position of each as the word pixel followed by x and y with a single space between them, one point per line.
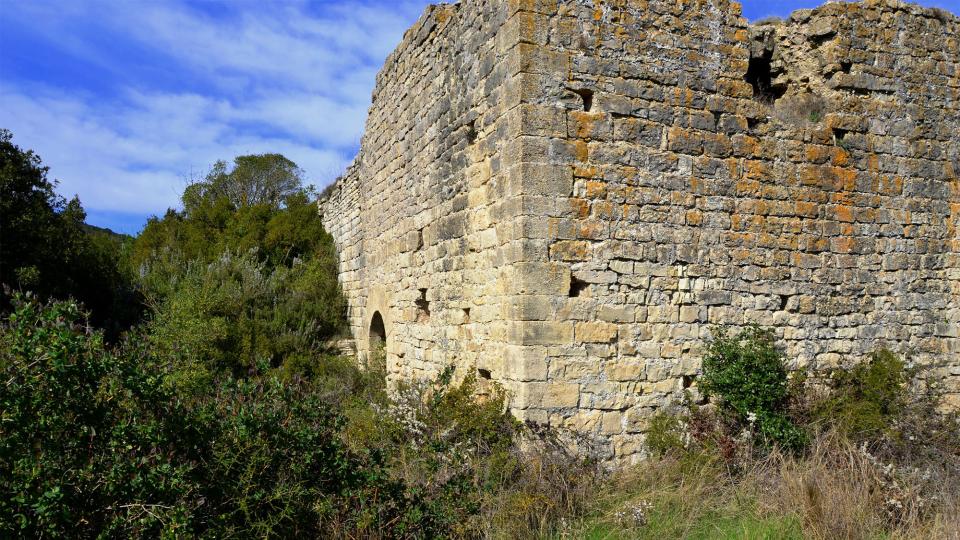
pixel 46 248
pixel 241 288
pixel 262 179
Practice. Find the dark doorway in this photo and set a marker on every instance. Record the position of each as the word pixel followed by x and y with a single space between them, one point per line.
pixel 378 332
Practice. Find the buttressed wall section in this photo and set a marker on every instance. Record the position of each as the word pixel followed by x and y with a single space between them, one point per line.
pixel 568 195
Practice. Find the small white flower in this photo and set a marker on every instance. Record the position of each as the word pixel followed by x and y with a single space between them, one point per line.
pixel 752 418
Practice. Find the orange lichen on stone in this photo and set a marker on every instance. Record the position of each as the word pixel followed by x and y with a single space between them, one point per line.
pixel 596 190
pixel 580 207
pixel 843 213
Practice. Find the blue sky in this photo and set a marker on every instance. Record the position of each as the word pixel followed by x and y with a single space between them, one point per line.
pixel 126 100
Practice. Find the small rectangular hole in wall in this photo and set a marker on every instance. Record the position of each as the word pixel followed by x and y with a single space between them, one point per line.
pixel 484 374
pixel 472 133
pixel 687 381
pixel 760 76
pixel 846 66
pixel 423 306
pixel 839 137
pixel 578 288
pixel 466 315
pixel 784 299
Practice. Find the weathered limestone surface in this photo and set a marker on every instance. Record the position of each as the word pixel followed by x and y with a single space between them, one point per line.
pixel 567 195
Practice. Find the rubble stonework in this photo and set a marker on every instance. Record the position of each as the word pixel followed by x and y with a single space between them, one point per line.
pixel 568 195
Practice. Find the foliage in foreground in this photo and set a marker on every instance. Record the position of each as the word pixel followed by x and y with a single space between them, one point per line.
pixel 96 441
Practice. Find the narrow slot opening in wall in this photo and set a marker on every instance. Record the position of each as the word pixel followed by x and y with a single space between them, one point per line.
pixel 466 315
pixel 783 302
pixel 716 118
pixel 484 374
pixel 423 306
pixel 846 66
pixel 839 137
pixel 687 381
pixel 472 132
pixel 578 287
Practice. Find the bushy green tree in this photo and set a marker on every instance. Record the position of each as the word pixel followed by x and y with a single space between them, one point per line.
pixel 244 279
pixel 46 248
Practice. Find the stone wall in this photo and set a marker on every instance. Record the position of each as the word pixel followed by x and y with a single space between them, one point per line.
pixel 426 230
pixel 602 182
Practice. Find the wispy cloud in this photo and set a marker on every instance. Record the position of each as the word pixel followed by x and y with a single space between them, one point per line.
pixel 126 100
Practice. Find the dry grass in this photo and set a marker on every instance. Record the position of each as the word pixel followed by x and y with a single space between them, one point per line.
pixel 835 491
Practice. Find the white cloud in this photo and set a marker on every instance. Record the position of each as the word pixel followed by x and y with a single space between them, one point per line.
pixel 135 158
pixel 258 77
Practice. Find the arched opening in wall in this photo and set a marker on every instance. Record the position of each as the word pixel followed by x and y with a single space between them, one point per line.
pixel 378 333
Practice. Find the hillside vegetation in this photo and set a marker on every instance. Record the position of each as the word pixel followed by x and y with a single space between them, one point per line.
pixel 180 384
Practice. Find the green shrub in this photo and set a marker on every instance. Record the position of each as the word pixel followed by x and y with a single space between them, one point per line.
pixel 240 316
pixel 89 441
pixel 666 433
pixel 867 399
pixel 748 374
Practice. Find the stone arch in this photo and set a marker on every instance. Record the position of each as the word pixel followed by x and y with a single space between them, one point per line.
pixel 378 332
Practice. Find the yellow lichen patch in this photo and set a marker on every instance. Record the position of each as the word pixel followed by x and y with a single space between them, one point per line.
pixel 580 207
pixel 603 210
pixel 843 244
pixel 584 171
pixel 818 154
pixel 596 190
pixel 840 157
pixel 890 185
pixel 580 151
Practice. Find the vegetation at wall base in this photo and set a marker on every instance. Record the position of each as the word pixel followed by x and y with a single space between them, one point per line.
pixel 880 457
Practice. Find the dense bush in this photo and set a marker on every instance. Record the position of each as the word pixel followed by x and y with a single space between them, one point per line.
pixel 748 375
pixel 101 441
pixel 239 315
pixel 244 279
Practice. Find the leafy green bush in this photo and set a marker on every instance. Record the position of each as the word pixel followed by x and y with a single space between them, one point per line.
pixel 867 399
pixel 748 374
pixel 96 442
pixel 87 439
pixel 240 316
pixel 100 441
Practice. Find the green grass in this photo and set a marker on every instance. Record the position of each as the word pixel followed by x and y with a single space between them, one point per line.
pixel 680 522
